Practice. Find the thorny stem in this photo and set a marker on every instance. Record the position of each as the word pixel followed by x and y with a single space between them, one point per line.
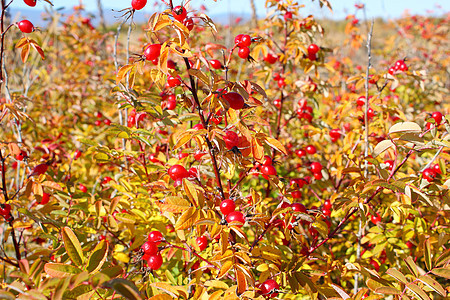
pixel 211 151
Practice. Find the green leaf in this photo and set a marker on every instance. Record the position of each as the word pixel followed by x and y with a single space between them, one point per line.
pixel 98 257
pixel 73 246
pixel 417 291
pixel 60 270
pixel 78 291
pixel 441 272
pixel 124 287
pixel 433 284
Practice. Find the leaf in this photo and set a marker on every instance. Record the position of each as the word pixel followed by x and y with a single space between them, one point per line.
pixel 161 297
pixel 276 145
pixel 25 52
pixel 225 268
pixel 76 292
pixel 340 291
pixel 397 275
pixel 433 284
pixel 381 147
pixel 190 191
pixel 257 149
pixel 441 272
pixel 187 219
pixel 241 281
pixel 166 288
pixel 98 257
pixel 124 287
pixel 39 50
pixel 73 246
pixel 57 270
pixel 427 252
pixel 405 127
pixel 183 139
pixel 443 258
pixel 123 71
pixel 200 75
pixel 387 290
pixel 174 204
pixel 412 266
pixel 22 42
pixel 417 291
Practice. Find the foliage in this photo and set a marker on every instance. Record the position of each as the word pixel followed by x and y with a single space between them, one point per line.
pixel 337 173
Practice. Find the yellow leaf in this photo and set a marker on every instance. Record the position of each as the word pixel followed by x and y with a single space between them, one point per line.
pixel 187 219
pixel 276 145
pixel 225 268
pixel 123 71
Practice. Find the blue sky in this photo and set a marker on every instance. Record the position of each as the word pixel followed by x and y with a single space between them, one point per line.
pixel 386 8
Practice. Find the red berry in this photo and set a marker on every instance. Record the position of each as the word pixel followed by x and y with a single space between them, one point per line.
pixel 312 57
pixel 296 194
pixel 202 242
pixel 138 4
pixel 199 154
pixel 277 103
pixel 375 265
pixel 178 172
pixel 269 288
pixel 311 149
pixel 171 104
pixel 21 155
pixel 390 164
pixel 361 101
pixel 152 51
pixel 237 39
pixel 193 172
pixel 106 121
pixel 267 160
pixel 429 174
pixel 171 64
pixel 268 170
pixel 236 216
pixel 370 113
pixel 227 206
pixel 77 154
pixel 45 198
pixel 182 155
pixel 179 13
pixel 316 167
pixel 173 81
pixel 149 248
pixel 318 175
pixel 281 83
pixel 198 126
pixel 375 219
pixel 327 204
pixel 31 3
pixel 287 16
pixel 270 58
pixel 244 52
pixel 189 23
pixel 335 134
pixel 231 139
pixel 5 210
pixel 26 26
pixel 246 41
pixel 106 179
pixel 298 207
pixel 313 49
pixel 155 237
pixel 437 169
pixel 300 152
pixel 437 116
pixel 98 115
pixel 154 262
pixel 326 212
pixel 235 100
pixel 216 64
pixel 82 188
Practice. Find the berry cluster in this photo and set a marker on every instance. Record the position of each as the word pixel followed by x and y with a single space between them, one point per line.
pixel 399 67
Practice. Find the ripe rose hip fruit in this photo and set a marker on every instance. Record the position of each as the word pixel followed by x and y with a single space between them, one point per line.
pixel 375 219
pixel 227 207
pixel 173 81
pixel 189 23
pixel 310 149
pixel 138 4
pixel 269 288
pixel 178 172
pixel 155 261
pixel 152 51
pixel 26 26
pixel 179 13
pixel 149 248
pixel 429 174
pixel 236 216
pixel 244 52
pixel 437 116
pixel 215 64
pixel 267 170
pixel 277 103
pixel 5 210
pixel 235 100
pixel 45 198
pixel 298 207
pixel 82 188
pixel 327 204
pixel 231 139
pixel 313 49
pixel 31 3
pixel 156 237
pixel 316 167
pixel 270 58
pixel 202 242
